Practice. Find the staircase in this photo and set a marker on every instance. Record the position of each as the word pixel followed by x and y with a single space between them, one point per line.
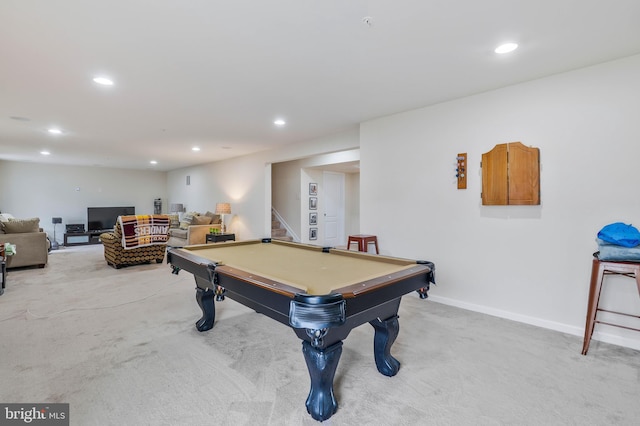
pixel 277 231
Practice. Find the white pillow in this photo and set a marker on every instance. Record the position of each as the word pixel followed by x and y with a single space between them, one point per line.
pixel 4 217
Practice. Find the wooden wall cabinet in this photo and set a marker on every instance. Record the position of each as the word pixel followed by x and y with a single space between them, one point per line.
pixel 511 175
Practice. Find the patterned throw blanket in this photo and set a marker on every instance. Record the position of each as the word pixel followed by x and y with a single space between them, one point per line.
pixel 144 230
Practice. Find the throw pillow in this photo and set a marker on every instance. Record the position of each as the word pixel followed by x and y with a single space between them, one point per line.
pixel 201 220
pixel 4 217
pixel 215 218
pixel 21 226
pixel 187 219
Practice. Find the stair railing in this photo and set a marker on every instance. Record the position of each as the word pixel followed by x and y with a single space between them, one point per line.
pixel 285 225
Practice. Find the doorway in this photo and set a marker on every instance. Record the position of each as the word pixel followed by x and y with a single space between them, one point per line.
pixel 291 198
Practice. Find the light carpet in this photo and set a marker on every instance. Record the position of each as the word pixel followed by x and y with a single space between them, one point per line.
pixel 121 348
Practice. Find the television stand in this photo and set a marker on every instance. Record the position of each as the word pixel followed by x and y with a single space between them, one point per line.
pixel 83 238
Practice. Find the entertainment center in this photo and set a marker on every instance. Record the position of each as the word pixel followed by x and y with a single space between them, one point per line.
pixel 99 221
pixel 81 238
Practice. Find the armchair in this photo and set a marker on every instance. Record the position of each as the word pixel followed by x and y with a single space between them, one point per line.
pixel 117 256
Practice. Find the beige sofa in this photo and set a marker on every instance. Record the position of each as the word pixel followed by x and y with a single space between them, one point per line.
pixel 192 228
pixel 32 245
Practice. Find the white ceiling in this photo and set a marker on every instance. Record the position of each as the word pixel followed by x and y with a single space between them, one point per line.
pixel 216 73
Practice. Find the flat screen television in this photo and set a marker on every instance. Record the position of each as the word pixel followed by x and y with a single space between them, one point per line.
pixel 104 218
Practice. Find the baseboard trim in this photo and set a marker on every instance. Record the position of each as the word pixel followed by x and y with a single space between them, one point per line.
pixel 538 322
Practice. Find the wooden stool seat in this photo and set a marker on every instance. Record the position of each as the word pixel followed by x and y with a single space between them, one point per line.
pixel 363 242
pixel 599 269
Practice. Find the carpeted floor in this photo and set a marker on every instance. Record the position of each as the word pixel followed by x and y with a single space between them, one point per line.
pixel 120 347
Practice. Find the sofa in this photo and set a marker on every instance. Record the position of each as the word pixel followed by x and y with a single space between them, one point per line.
pixel 192 228
pixel 32 244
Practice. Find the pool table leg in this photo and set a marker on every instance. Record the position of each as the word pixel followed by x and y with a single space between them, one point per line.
pixel 386 333
pixel 205 301
pixel 321 402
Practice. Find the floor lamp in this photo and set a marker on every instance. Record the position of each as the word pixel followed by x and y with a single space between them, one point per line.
pixel 54 243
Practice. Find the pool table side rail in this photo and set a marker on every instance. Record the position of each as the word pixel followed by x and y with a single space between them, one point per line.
pixel 363 255
pixel 374 284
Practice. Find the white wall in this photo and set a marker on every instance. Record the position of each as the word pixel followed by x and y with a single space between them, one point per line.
pixel 533 263
pixel 246 182
pixel 44 191
pixel 352 205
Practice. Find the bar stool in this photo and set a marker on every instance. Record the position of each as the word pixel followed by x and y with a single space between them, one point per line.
pixel 598 270
pixel 363 242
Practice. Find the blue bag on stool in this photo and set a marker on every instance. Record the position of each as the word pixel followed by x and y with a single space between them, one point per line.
pixel 620 234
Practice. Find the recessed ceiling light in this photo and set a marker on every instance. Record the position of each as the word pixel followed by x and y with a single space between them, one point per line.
pixel 103 81
pixel 45 152
pixel 153 162
pixel 55 131
pixel 195 148
pixel 279 122
pixel 506 48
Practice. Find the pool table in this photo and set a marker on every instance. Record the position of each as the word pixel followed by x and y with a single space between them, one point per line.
pixel 321 293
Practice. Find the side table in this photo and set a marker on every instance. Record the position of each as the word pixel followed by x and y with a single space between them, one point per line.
pixel 218 238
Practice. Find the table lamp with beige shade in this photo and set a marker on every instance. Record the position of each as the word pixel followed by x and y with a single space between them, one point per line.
pixel 222 209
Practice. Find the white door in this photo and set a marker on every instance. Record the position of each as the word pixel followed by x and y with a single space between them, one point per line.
pixel 333 202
